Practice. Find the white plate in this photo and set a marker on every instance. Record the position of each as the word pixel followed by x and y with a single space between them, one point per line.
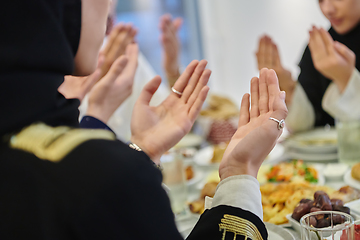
pixel 313 157
pixel 349 180
pixel 318 137
pixel 278 233
pixel 203 156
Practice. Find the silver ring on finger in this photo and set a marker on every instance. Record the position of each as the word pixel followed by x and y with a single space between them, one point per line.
pixel 176 91
pixel 281 123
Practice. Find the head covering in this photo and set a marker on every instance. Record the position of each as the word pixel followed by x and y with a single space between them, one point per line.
pixel 315 84
pixel 39 39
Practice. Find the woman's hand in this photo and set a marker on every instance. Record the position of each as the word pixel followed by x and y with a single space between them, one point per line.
pixel 268 56
pixel 257 134
pixel 156 129
pixel 332 59
pixel 115 87
pixel 78 87
pixel 171 46
pixel 120 37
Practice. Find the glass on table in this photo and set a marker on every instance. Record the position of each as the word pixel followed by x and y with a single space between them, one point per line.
pixel 175 181
pixel 348 141
pixel 329 225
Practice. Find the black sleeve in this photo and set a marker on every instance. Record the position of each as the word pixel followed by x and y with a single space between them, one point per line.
pixel 223 222
pixel 118 194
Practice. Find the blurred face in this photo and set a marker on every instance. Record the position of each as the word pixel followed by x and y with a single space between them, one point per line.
pixel 93 27
pixel 343 15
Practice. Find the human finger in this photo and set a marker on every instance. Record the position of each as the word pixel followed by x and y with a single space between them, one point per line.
pixel 194 79
pixel 254 104
pixel 272 83
pixel 268 53
pixel 280 112
pixel 91 81
pixel 260 53
pixel 196 107
pixel 276 56
pixel 344 51
pixel 120 42
pixel 316 44
pixel 112 37
pixel 244 117
pixel 263 92
pixel 328 41
pixel 177 22
pixel 148 90
pixel 132 51
pixel 184 78
pixel 115 70
pixel 204 79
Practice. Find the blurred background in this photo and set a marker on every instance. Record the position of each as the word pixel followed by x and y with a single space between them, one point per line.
pixel 226 33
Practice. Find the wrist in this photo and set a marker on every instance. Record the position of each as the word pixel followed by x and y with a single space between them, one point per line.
pixel 148 150
pixel 137 148
pixel 243 169
pixel 342 81
pixel 98 113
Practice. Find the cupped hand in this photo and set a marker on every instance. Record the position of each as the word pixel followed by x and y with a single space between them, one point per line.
pixel 120 37
pixel 156 129
pixel 171 46
pixel 256 134
pixel 332 59
pixel 115 87
pixel 78 87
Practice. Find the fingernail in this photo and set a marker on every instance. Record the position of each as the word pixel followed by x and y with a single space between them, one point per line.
pixel 283 95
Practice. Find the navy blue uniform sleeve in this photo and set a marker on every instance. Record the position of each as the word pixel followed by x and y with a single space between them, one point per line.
pixel 93 123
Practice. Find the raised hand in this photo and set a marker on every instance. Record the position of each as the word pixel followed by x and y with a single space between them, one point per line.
pixel 115 87
pixel 78 87
pixel 256 134
pixel 156 129
pixel 120 37
pixel 171 46
pixel 332 59
pixel 268 56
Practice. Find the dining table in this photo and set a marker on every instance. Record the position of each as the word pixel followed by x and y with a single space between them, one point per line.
pixel 187 220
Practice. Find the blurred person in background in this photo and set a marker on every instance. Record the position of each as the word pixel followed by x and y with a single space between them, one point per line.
pixel 329 81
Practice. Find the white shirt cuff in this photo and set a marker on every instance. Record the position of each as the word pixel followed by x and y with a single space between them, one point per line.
pixel 301 116
pixel 242 191
pixel 343 106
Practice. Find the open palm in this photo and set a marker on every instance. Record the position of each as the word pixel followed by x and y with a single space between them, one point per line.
pixel 256 134
pixel 157 129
